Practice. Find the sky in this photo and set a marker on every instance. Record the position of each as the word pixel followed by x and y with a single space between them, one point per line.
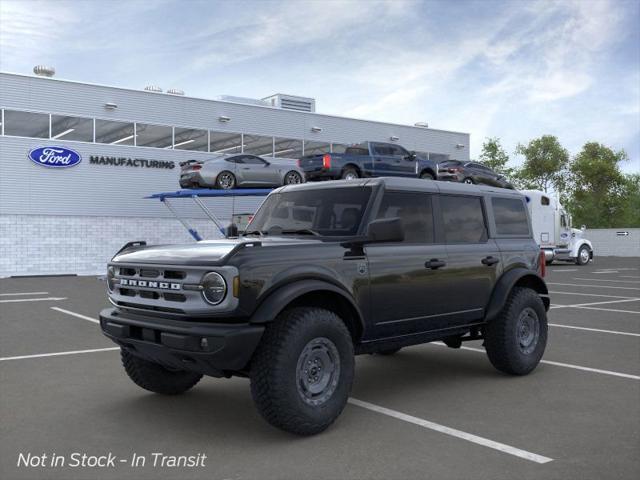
pixel 513 69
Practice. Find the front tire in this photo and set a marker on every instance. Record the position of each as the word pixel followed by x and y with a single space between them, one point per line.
pixel 302 371
pixel 516 339
pixel 427 176
pixel 583 255
pixel 225 180
pixel 468 181
pixel 156 378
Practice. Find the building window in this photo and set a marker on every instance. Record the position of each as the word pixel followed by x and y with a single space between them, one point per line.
pixel 114 133
pixel 157 136
pixel 225 143
pixel 26 124
pixel 191 139
pixel 258 145
pixel 71 128
pixel 463 219
pixel 287 148
pixel 316 148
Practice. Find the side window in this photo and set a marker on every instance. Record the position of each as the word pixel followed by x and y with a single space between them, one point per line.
pixel 544 201
pixel 414 210
pixel 463 219
pixel 380 149
pixel 398 151
pixel 253 160
pixel 235 160
pixel 510 215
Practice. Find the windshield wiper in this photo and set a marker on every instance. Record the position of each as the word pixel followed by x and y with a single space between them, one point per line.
pixel 301 231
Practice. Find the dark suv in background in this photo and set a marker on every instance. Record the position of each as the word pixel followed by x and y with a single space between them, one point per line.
pixel 472 173
pixel 325 271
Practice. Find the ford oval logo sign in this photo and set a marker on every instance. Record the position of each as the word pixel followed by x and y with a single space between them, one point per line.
pixel 55 157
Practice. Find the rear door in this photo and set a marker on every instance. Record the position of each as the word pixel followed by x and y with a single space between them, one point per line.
pixel 474 261
pixel 383 159
pixel 406 288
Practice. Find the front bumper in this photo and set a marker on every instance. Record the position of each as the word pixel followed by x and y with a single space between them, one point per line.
pixel 207 348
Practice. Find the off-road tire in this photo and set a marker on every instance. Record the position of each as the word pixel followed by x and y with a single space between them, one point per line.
pixel 427 176
pixel 389 351
pixel 155 378
pixel 275 385
pixel 349 173
pixel 579 259
pixel 502 340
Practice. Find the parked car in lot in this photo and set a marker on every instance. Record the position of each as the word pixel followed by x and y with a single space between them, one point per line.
pixel 368 159
pixel 243 170
pixel 471 172
pixel 325 271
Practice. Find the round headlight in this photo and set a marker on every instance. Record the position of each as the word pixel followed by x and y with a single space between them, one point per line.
pixel 214 288
pixel 111 274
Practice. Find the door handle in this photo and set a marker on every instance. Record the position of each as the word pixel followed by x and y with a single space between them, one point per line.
pixel 245 168
pixel 434 264
pixel 488 261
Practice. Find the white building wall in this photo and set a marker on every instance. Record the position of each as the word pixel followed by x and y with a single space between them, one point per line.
pixel 607 242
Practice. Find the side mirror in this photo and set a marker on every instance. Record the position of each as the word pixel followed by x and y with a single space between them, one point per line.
pixel 385 230
pixel 411 156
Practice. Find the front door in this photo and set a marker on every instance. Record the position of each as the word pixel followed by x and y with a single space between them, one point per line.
pixel 406 292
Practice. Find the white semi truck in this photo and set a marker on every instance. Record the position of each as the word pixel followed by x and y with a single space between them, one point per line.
pixel 553 232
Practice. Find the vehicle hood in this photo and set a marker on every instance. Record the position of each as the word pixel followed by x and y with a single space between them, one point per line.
pixel 206 252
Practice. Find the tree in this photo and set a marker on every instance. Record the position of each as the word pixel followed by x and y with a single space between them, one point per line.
pixel 545 164
pixel 600 195
pixel 494 156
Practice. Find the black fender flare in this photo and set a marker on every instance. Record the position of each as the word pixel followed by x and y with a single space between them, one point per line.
pixel 282 296
pixel 430 170
pixel 506 283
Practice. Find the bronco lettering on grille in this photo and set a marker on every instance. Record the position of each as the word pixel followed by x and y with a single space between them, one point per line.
pixel 129 282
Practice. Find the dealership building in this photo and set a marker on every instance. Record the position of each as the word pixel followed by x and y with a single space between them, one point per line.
pixel 127 145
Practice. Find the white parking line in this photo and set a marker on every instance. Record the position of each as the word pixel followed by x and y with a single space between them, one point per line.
pixel 47 299
pixel 629 276
pixel 558 364
pixel 73 314
pixel 563 270
pixel 607 280
pixel 577 305
pixel 56 354
pixel 610 310
pixel 485 442
pixel 23 293
pixel 587 294
pixel 596 286
pixel 598 330
pixel 606 271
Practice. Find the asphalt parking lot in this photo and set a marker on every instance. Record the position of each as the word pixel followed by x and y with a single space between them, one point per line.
pixel 427 412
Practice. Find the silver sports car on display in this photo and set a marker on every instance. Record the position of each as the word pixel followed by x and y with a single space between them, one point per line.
pixel 242 170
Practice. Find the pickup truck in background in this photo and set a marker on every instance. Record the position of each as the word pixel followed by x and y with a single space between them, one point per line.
pixel 368 159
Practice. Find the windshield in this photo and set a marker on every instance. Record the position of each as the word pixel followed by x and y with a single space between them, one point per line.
pixel 333 212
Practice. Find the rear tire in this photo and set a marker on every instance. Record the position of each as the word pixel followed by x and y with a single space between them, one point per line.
pixel 583 255
pixel 292 178
pixel 156 378
pixel 225 180
pixel 468 181
pixel 350 173
pixel 302 371
pixel 516 339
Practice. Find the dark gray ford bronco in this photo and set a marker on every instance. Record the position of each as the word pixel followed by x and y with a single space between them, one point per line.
pixel 326 271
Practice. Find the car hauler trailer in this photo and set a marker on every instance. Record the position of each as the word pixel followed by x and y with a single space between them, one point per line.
pixel 553 231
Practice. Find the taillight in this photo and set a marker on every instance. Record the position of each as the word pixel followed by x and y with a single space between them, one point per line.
pixel 543 264
pixel 196 167
pixel 299 162
pixel 326 161
pixel 454 170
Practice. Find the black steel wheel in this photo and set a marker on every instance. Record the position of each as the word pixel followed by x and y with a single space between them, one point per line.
pixel 226 180
pixel 302 371
pixel 516 339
